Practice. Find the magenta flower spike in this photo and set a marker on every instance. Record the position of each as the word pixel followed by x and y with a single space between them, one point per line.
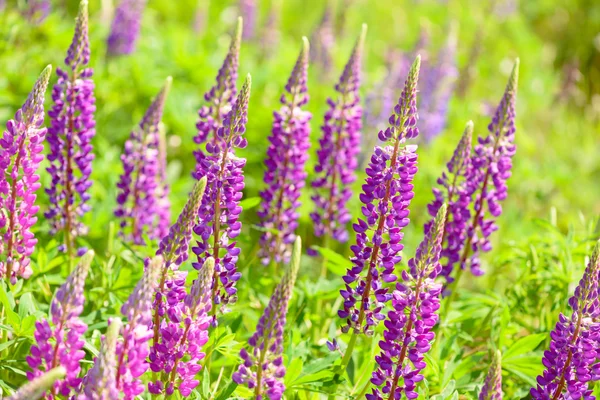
pixel 387 193
pixel 218 217
pixel 59 340
pixel 69 138
pixel 177 355
pixel 339 147
pixel 285 174
pixel 141 189
pixel 20 156
pixel 36 387
pixel 409 325
pixel 262 369
pixel 571 361
pixel 492 387
pixel 125 27
pixel 132 351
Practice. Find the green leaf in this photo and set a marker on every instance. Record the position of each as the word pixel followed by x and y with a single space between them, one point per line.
pixel 293 370
pixel 26 305
pixel 205 383
pixel 227 391
pixel 321 363
pixel 250 203
pixel 524 345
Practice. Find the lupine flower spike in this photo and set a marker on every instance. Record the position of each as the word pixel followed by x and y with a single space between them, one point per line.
pixel 220 99
pixel 339 147
pixel 492 387
pixel 132 352
pixel 262 369
pixel 163 204
pixel 178 353
pixel 285 174
pixel 37 11
pixel 59 341
pixel 218 225
pixel 69 138
pixel 248 10
pixel 323 40
pixel 571 361
pixel 35 388
pixel 140 198
pixel 387 193
pixel 125 27
pixel 20 156
pixel 408 328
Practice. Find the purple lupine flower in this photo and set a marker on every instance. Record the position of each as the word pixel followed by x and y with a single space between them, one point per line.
pixel 100 383
pixel 59 341
pixel 177 355
pixel 69 137
pixel 571 361
pixel 262 368
pixel 37 11
pixel 454 193
pixel 125 27
pixel 20 156
pixel 132 352
pixel 218 216
pixel 220 99
pixel 339 146
pixel 323 40
pixel 141 187
pixel 492 387
pixel 408 328
pixel 271 32
pixel 285 174
pixel 248 9
pixel 36 387
pixel 387 193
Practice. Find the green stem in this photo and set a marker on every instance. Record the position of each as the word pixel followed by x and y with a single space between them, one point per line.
pixel 344 364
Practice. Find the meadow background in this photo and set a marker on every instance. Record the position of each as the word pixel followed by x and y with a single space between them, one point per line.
pixel 550 218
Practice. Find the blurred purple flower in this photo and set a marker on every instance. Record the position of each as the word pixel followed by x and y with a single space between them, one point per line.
pixel 37 10
pixel 323 40
pixel 492 387
pixel 38 386
pixel 125 27
pixel 248 9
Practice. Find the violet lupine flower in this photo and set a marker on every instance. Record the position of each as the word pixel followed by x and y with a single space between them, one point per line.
pixel 492 387
pixel 36 387
pixel 339 147
pixel 20 156
pixel 100 383
pixel 387 193
pixel 69 137
pixel 323 40
pixel 571 361
pixel 285 174
pixel 220 99
pixel 132 352
pixel 59 341
pixel 218 223
pixel 140 187
pixel 249 11
pixel 37 11
pixel 262 368
pixel 182 335
pixel 125 27
pixel 454 193
pixel 408 328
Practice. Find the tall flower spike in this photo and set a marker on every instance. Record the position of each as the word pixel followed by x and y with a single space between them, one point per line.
pixel 454 193
pixel 408 328
pixel 339 147
pixel 249 11
pixel 69 137
pixel 35 388
pixel 163 202
pixel 323 40
pixel 571 361
pixel 141 187
pixel 125 27
pixel 218 215
pixel 387 193
pixel 285 175
pixel 20 156
pixel 100 382
pixel 492 387
pixel 132 352
pixel 220 99
pixel 262 369
pixel 59 342
pixel 178 353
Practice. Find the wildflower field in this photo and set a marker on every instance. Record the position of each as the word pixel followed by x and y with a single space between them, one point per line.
pixel 270 199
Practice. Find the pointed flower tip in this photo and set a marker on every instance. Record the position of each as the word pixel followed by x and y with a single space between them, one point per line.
pixel 514 76
pixel 112 333
pixel 469 127
pixel 441 215
pixel 296 255
pixel 83 8
pixel 498 355
pixel 45 75
pixel 238 29
pixel 36 387
pixel 305 46
pixel 87 258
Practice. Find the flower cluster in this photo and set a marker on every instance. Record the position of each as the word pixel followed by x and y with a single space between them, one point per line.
pixel 339 147
pixel 408 328
pixel 492 387
pixel 141 189
pixel 262 368
pixel 125 27
pixel 36 387
pixel 69 139
pixel 285 174
pixel 20 156
pixel 571 361
pixel 386 196
pixel 218 216
pixel 59 342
